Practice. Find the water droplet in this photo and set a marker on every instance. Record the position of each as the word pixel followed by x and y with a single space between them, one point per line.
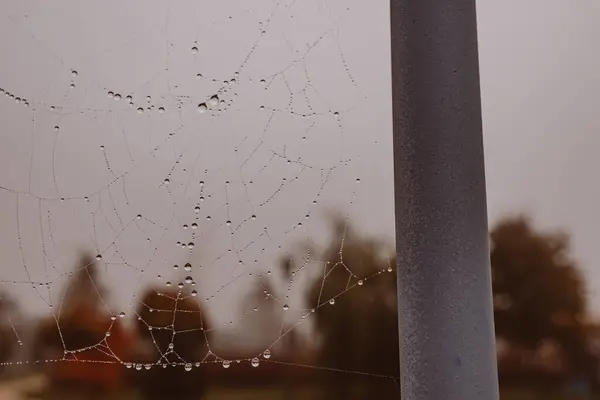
pixel 101 147
pixel 389 269
pixel 286 307
pixel 148 366
pixel 73 73
pixel 194 293
pixel 110 94
pixel 197 364
pixel 332 301
pixel 185 226
pixel 113 317
pixel 202 108
pixel 138 367
pixel 267 354
pixel 208 217
pixel 175 266
pixel 161 110
pixel 336 115
pixel 187 267
pixel 357 180
pixel 99 257
pixel 201 199
pixel 129 99
pixel 128 365
pixel 117 97
pixel 253 217
pixel 197 209
pixel 139 216
pixel 263 82
pixel 107 334
pixel 72 86
pixel 140 110
pixel 226 364
pixel 56 128
pixel 255 362
pixel 198 76
pixel 194 50
pixel 171 345
pixel 360 282
pixel 167 181
pixel 180 285
pixel 188 367
pixel 188 279
pixel 262 108
pixel 122 314
pixel 168 283
pixel 191 245
pixel 213 101
pixel 194 225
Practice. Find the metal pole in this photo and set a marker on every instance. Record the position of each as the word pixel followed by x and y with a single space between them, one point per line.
pixel 447 347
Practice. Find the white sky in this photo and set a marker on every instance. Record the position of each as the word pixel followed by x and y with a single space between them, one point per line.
pixel 540 85
pixel 540 88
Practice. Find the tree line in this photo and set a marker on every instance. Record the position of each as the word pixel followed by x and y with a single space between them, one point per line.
pixel 543 325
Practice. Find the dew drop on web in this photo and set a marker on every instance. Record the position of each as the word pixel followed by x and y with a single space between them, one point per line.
pixel 213 101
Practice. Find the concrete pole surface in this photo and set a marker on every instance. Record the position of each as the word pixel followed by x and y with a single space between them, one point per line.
pixel 447 346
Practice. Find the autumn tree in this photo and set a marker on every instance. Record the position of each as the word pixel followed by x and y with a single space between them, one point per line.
pixel 88 339
pixel 539 292
pixel 8 338
pixel 355 306
pixel 172 325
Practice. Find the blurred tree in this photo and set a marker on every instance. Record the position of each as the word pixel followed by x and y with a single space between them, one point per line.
pixel 8 339
pixel 173 326
pixel 357 327
pixel 539 292
pixel 83 329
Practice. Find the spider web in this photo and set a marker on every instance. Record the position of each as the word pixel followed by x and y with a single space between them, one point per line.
pixel 189 146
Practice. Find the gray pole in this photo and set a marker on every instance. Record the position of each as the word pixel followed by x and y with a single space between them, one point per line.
pixel 447 347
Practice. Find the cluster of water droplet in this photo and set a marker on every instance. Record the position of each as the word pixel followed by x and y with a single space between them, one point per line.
pixel 18 100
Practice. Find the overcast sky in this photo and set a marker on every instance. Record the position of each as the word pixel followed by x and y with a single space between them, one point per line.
pixel 540 85
pixel 324 134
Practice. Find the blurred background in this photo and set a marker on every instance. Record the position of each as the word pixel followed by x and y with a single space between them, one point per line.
pixel 196 199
